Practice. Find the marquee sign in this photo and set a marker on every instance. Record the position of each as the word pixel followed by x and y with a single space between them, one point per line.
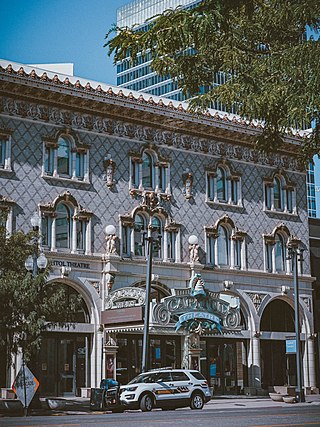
pixel 198 309
pixel 195 321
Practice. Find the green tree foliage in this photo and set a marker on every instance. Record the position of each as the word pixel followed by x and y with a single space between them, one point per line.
pixel 27 305
pixel 261 45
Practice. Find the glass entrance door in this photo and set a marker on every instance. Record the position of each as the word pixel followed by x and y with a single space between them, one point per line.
pixel 222 363
pixel 67 367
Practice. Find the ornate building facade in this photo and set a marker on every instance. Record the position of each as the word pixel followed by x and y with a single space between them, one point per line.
pixel 106 168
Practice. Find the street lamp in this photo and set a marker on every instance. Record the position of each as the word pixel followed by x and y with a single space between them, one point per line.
pixel 296 254
pixel 151 240
pixel 35 262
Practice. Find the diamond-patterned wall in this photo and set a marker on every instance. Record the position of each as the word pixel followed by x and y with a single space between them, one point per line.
pixel 27 188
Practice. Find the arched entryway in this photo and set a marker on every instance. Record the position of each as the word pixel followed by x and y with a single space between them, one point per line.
pixel 63 362
pixel 277 324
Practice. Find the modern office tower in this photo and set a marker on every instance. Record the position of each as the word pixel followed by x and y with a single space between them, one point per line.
pixel 140 76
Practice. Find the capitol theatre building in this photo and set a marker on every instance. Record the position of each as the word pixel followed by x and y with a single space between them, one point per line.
pixel 104 168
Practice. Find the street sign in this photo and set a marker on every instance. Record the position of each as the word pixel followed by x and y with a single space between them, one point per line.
pixel 25 385
pixel 291 346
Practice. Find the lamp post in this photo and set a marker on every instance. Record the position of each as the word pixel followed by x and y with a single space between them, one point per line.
pixel 296 254
pixel 36 260
pixel 33 263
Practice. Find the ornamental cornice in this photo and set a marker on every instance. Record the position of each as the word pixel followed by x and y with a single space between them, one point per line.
pixel 106 125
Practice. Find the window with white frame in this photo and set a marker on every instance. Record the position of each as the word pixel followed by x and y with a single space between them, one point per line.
pixel 226 246
pixel 276 245
pixel 166 236
pixel 148 171
pixel 279 194
pixel 65 226
pixel 6 214
pixel 223 186
pixel 62 158
pixel 5 151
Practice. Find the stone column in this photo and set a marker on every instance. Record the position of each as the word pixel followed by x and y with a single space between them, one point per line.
pixel 254 364
pixel 309 368
pixel 53 234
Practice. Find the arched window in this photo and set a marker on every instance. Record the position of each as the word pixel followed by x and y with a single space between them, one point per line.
pixel 63 157
pixel 221 185
pixel 147 178
pixel 139 230
pixel 223 246
pixel 280 194
pixel 148 171
pixel 280 253
pixel 157 234
pixel 63 226
pixel 277 194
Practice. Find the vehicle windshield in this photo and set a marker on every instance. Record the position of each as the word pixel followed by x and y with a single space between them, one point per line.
pixel 144 378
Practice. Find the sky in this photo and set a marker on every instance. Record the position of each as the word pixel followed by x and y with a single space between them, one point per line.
pixel 57 31
pixel 72 31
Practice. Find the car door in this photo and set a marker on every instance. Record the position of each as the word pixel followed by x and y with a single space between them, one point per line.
pixel 163 390
pixel 182 385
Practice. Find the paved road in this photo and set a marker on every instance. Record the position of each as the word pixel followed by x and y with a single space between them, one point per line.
pixel 306 415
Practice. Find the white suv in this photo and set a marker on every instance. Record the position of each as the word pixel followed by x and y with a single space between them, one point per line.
pixel 166 388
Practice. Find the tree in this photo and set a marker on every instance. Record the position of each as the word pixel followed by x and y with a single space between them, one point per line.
pixel 260 45
pixel 27 305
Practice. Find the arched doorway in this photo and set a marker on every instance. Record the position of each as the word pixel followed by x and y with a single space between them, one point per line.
pixel 63 362
pixel 277 367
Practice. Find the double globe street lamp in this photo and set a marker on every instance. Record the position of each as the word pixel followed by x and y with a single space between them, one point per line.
pixel 36 261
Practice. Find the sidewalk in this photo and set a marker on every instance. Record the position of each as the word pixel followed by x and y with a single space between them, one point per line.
pixel 78 405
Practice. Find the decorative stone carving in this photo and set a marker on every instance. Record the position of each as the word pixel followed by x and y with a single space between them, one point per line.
pixel 256 299
pixel 109 166
pixel 307 302
pixel 111 238
pixel 121 128
pixel 109 281
pixel 194 253
pixel 188 181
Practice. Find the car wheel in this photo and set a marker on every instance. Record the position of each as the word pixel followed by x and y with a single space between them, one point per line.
pixel 196 401
pixel 146 403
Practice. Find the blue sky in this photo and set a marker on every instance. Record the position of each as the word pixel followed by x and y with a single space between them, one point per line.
pixel 48 31
pixel 51 31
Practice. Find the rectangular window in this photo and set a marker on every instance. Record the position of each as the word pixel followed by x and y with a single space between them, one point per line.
pixel 45 232
pixel 210 187
pixel 162 178
pixel 81 227
pixel 126 240
pixel 80 157
pixel 134 174
pixel 237 253
pixel 267 195
pixel 5 155
pixel 48 160
pixel 211 256
pixel 269 257
pixel 289 201
pixel 171 245
pixel 234 192
pixel 3 148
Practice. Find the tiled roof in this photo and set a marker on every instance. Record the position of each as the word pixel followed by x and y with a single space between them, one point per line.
pixel 104 90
